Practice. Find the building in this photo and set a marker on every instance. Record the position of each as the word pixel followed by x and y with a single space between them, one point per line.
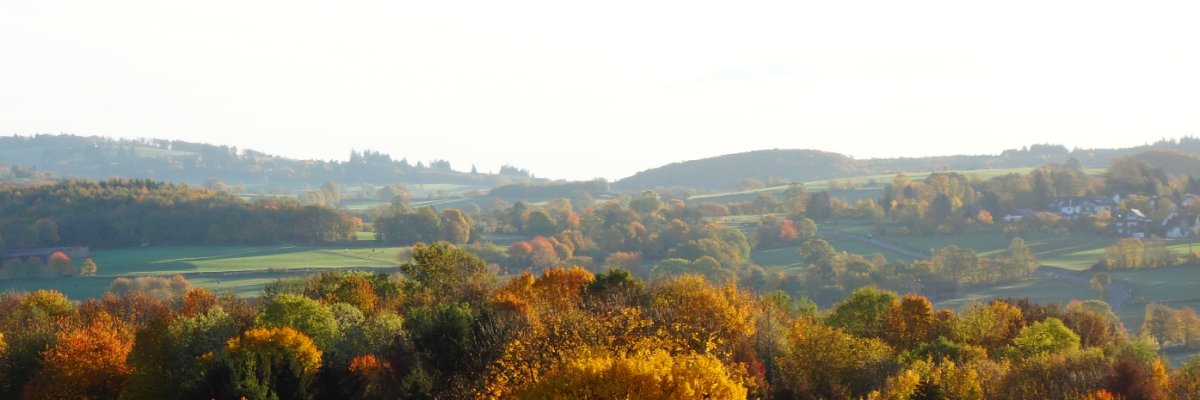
pixel 1077 207
pixel 1133 223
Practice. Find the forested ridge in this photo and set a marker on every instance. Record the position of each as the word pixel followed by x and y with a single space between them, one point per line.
pixel 94 157
pixel 723 172
pixel 121 212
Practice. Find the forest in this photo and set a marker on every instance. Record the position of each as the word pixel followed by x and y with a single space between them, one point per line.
pixel 135 212
pixel 452 328
pixel 594 294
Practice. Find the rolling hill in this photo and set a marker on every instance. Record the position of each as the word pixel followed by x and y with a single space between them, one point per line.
pixel 723 172
pixel 94 157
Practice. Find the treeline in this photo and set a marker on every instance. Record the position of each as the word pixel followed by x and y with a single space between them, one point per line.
pixel 451 328
pixel 653 237
pixel 571 190
pixel 1135 253
pixel 951 202
pixel 724 172
pixel 180 161
pixel 137 212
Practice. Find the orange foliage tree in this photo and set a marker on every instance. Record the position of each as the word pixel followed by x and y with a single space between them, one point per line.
pixel 85 362
pixel 61 264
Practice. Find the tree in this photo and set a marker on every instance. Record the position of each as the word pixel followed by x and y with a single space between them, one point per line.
pixel 708 319
pixel 862 312
pixel 456 226
pixel 909 321
pixel 12 267
pixel 1100 282
pixel 445 271
pixel 655 375
pixel 88 268
pixel 85 362
pixel 540 223
pixel 648 202
pixel 825 362
pixel 61 264
pixel 44 232
pixel 748 184
pixel 1048 336
pixel 306 315
pixel 332 194
pixel 272 363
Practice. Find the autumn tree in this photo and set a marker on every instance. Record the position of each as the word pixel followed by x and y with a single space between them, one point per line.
pixel 61 264
pixel 88 268
pixel 456 226
pixel 909 321
pixel 826 362
pixel 707 318
pixel 651 375
pixel 85 362
pixel 271 363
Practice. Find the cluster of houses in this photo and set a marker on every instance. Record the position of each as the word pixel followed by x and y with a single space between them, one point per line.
pixel 1132 223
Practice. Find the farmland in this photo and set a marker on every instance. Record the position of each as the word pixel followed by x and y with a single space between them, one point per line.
pixel 242 269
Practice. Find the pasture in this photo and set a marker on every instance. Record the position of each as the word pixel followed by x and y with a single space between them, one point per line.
pixel 866 186
pixel 189 259
pixel 240 269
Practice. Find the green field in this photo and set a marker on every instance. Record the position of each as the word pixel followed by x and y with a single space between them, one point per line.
pixel 79 288
pixel 1043 291
pixel 188 259
pixel 1073 251
pixel 867 184
pixel 241 269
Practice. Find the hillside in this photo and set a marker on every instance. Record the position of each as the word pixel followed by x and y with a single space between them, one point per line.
pixel 723 172
pixel 194 163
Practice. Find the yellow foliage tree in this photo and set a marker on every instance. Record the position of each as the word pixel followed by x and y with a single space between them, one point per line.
pixel 650 375
pixel 825 362
pixel 909 321
pixel 278 344
pixel 704 318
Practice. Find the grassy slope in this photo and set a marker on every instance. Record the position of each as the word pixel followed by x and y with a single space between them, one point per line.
pixel 242 269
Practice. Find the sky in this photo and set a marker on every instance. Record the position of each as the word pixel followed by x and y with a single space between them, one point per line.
pixel 580 90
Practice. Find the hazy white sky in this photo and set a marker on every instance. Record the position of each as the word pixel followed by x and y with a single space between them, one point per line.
pixel 574 89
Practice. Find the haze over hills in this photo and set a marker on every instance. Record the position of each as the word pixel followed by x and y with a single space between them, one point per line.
pixel 194 163
pixel 96 157
pixel 723 172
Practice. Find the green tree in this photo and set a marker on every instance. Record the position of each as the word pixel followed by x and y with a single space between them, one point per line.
pixel 1048 336
pixel 540 223
pixel 309 316
pixel 44 232
pixel 447 272
pixel 861 313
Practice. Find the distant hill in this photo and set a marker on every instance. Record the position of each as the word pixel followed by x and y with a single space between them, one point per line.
pixel 1173 162
pixel 723 172
pixel 194 163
